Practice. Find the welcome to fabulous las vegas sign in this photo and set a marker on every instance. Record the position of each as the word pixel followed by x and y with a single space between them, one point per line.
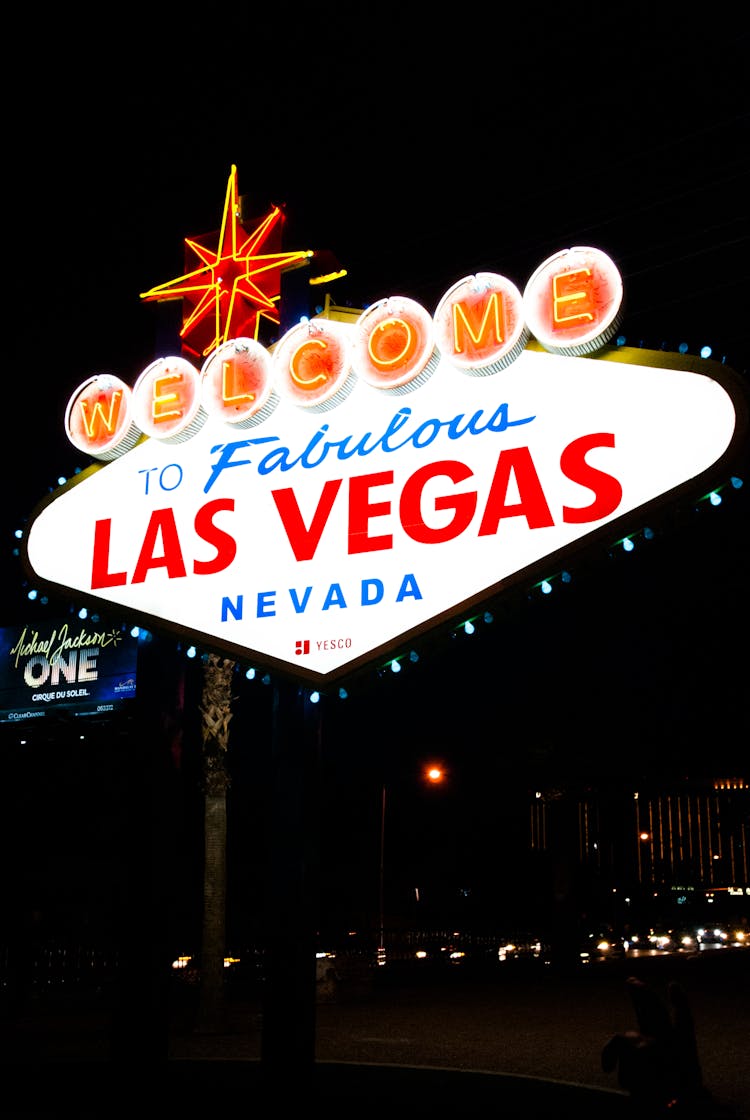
pixel 314 505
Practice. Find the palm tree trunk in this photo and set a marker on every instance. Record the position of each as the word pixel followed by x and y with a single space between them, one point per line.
pixel 211 1008
pixel 216 713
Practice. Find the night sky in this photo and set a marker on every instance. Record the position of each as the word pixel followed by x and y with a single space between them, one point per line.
pixel 417 153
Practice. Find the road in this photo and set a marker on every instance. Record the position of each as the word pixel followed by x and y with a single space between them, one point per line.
pixel 514 1024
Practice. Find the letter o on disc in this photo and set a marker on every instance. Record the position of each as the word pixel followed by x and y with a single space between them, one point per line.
pixel 394 345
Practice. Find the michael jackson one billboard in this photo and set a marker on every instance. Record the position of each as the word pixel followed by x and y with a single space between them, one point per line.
pixel 59 667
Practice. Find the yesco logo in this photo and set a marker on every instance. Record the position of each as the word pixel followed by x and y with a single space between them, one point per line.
pixel 312 507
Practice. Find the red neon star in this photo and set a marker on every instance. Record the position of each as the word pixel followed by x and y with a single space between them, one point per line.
pixel 236 285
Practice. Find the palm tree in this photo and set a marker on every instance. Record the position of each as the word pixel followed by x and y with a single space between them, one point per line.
pixel 216 715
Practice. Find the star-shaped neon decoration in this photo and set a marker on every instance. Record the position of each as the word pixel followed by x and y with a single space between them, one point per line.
pixel 238 283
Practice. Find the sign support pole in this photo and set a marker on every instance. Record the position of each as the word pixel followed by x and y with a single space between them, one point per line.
pixel 289 996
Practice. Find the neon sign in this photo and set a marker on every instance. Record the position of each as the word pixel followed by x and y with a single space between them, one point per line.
pixel 60 666
pixel 235 285
pixel 312 505
pixel 574 299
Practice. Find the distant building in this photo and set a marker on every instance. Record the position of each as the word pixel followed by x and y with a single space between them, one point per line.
pixel 650 849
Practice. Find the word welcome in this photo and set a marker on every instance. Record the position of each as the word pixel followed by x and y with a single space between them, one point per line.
pixel 571 305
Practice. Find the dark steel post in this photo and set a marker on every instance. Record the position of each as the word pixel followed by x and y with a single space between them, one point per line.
pixel 289 998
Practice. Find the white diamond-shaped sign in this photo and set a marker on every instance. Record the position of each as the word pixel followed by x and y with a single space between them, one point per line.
pixel 313 542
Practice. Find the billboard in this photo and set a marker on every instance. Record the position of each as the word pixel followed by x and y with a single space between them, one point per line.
pixel 313 506
pixel 54 668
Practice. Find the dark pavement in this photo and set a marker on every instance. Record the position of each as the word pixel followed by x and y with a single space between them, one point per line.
pixel 519 1043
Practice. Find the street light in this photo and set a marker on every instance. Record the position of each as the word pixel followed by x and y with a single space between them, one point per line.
pixel 433 773
pixel 381 941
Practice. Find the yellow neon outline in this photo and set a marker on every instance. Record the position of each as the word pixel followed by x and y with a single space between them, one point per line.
pixel 225 365
pixel 328 277
pixel 311 382
pixel 158 398
pixel 222 297
pixel 567 299
pixel 458 308
pixel 381 362
pixel 98 410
